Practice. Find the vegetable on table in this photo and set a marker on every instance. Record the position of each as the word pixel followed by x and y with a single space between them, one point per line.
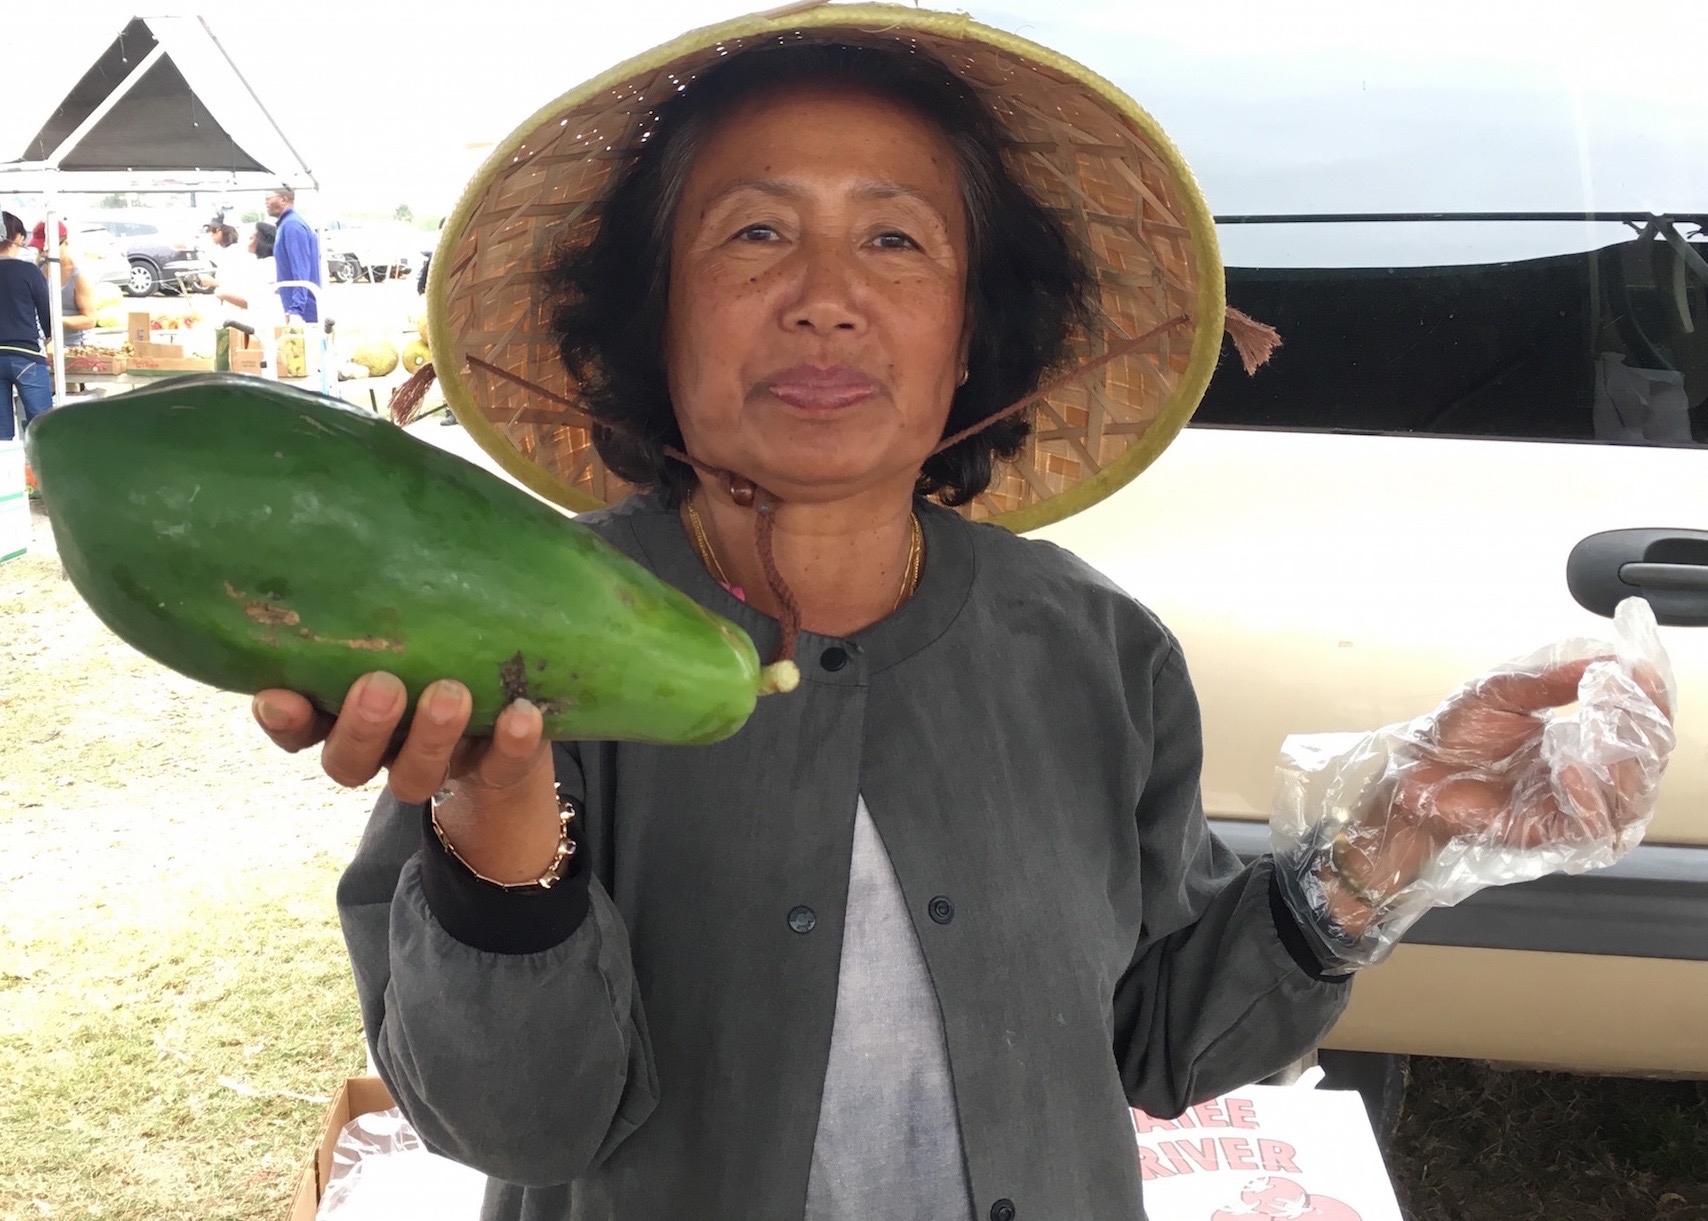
pixel 251 535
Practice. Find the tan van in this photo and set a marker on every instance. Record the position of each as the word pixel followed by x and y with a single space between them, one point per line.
pixel 1447 466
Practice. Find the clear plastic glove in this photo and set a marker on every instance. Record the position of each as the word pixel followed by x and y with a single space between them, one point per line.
pixel 1371 830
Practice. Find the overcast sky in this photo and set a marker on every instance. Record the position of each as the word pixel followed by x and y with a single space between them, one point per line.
pixel 1279 105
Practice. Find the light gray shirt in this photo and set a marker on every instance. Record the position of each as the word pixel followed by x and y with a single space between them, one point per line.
pixel 1026 738
pixel 889 1143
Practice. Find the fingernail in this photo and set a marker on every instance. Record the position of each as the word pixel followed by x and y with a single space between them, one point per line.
pixel 444 702
pixel 270 715
pixel 379 695
pixel 519 706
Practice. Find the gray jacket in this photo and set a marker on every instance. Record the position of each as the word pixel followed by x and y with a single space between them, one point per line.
pixel 650 1043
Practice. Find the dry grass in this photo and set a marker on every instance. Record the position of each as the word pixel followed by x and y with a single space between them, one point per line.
pixel 170 962
pixel 152 1054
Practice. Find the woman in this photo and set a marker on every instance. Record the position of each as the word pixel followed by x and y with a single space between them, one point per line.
pixel 76 295
pixel 221 250
pixel 25 321
pixel 249 285
pixel 910 943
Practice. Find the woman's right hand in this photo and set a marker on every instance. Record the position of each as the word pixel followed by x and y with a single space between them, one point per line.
pixel 501 808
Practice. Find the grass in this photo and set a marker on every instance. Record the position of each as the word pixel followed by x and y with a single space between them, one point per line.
pixel 125 1034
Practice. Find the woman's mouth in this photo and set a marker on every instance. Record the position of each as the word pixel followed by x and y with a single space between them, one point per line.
pixel 818 389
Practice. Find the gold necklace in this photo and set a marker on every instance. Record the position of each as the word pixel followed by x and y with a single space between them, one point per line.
pixel 909 576
pixel 915 562
pixel 703 545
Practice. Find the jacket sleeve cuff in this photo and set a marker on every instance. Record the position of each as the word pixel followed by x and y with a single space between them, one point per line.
pixel 1293 938
pixel 487 917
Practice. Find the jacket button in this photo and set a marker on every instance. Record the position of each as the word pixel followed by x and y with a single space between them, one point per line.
pixel 1002 1210
pixel 833 658
pixel 802 919
pixel 941 909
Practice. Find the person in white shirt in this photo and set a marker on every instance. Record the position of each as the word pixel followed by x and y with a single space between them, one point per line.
pixel 248 283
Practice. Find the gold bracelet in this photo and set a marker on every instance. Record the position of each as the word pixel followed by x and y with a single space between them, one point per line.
pixel 1358 890
pixel 566 812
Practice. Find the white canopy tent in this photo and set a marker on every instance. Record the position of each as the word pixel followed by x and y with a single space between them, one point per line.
pixel 160 107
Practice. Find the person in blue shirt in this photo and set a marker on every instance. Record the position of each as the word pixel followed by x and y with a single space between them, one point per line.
pixel 296 251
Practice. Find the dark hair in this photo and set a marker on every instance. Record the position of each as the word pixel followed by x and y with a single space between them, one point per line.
pixel 227 234
pixel 14 227
pixel 288 194
pixel 265 234
pixel 1028 284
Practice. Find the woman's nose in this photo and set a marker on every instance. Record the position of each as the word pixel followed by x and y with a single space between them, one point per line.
pixel 828 297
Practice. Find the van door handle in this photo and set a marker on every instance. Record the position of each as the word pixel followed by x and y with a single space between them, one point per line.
pixel 1666 576
pixel 1667 568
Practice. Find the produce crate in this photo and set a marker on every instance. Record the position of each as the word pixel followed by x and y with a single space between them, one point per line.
pixel 237 352
pixel 102 361
pixel 148 356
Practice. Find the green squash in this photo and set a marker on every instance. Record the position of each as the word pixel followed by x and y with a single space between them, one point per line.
pixel 251 536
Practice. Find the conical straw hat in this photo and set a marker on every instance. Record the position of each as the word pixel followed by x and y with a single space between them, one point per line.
pixel 1084 148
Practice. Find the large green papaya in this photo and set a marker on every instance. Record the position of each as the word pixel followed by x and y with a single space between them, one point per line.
pixel 252 536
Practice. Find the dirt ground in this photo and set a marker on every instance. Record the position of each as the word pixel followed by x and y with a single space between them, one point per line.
pixel 149 833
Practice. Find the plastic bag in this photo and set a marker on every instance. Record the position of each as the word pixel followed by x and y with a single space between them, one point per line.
pixel 381 1171
pixel 1371 830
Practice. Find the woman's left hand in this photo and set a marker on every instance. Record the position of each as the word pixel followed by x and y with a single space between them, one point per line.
pixel 1490 770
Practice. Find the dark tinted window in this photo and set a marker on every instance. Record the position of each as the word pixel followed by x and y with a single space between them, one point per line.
pixel 1605 345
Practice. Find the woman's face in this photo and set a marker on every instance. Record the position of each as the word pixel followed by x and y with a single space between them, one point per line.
pixel 817 294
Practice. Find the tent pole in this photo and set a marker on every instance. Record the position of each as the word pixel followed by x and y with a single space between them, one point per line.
pixel 55 305
pixel 313 183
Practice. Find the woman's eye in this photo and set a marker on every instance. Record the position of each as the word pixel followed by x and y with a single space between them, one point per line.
pixel 756 233
pixel 896 240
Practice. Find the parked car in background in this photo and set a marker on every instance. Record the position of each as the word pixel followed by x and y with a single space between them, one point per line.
pixel 161 254
pixel 372 250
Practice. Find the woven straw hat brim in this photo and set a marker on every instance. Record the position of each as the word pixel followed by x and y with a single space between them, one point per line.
pixel 1083 147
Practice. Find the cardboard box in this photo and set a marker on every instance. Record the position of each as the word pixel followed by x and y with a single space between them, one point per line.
pixel 298 351
pixel 237 352
pixel 357 1096
pixel 148 355
pixel 105 363
pixel 1265 1151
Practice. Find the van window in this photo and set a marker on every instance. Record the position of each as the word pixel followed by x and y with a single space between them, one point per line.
pixel 1607 344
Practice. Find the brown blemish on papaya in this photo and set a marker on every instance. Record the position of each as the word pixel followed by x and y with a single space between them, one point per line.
pixel 369 644
pixel 268 612
pixel 272 614
pixel 513 681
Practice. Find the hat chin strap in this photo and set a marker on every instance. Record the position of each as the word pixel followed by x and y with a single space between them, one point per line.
pixel 1254 341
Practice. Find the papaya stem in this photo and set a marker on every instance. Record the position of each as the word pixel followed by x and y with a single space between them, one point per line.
pixel 779 678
